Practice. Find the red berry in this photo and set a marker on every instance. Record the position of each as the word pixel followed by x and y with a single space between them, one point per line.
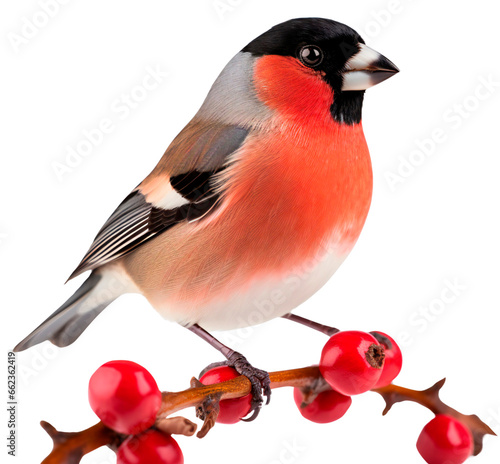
pixel 124 396
pixel 445 440
pixel 233 410
pixel 328 406
pixel 351 362
pixel 392 363
pixel 150 447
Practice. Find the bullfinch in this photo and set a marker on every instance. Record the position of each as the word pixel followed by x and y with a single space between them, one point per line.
pixel 254 205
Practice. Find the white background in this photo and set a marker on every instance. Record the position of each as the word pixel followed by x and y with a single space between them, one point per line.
pixel 439 224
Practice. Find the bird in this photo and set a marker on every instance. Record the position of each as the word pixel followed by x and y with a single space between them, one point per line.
pixel 255 203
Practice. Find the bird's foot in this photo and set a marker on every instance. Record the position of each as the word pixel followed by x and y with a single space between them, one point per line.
pixel 261 385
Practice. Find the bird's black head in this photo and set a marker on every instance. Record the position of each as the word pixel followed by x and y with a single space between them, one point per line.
pixel 336 52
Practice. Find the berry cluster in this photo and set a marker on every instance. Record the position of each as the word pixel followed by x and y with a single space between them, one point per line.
pixel 124 395
pixel 126 398
pixel 352 362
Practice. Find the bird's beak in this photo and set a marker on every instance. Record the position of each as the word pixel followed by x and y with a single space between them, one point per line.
pixel 366 69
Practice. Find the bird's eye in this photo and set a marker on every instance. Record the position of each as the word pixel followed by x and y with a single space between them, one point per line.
pixel 311 55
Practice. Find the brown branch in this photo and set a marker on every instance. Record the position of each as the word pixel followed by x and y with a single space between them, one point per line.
pixel 429 398
pixel 69 448
pixel 207 410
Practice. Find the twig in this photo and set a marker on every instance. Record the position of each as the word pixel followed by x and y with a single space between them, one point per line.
pixel 176 426
pixel 430 399
pixel 69 448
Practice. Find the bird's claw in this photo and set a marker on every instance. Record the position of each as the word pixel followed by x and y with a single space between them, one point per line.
pixel 261 385
pixel 259 379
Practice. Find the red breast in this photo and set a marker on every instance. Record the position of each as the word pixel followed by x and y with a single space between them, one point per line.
pixel 306 181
